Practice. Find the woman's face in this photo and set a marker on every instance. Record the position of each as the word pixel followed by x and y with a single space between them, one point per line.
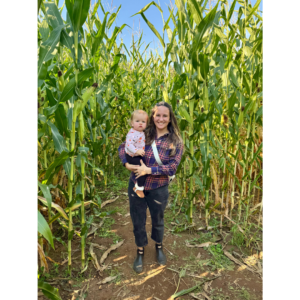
pixel 161 117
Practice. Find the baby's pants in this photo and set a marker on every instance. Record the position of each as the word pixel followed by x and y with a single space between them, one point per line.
pixel 135 160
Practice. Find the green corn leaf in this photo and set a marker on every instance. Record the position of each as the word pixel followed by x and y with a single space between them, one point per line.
pixel 231 10
pixel 57 162
pixel 39 5
pixel 153 29
pixel 167 22
pixel 231 102
pixel 185 114
pixel 255 7
pixel 255 180
pixel 69 89
pixel 47 49
pixel 68 42
pixel 53 14
pixel 256 153
pixel 80 12
pixel 218 30
pixel 44 229
pixel 204 65
pixel 59 142
pixel 99 36
pixel 204 25
pixel 112 40
pixel 259 113
pixel 169 47
pixel 95 8
pixel 49 291
pixel 112 18
pixel 195 10
pixel 146 7
pixel 115 62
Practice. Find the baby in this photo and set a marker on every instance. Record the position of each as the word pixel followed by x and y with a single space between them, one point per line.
pixel 135 145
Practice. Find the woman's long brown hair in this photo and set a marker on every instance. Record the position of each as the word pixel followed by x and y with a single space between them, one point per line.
pixel 174 137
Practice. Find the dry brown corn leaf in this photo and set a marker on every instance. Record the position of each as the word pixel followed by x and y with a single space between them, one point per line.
pixel 101 247
pixel 43 258
pixel 237 261
pixel 108 202
pixel 238 226
pixel 113 247
pixel 205 296
pixel 207 244
pixel 94 257
pixel 107 279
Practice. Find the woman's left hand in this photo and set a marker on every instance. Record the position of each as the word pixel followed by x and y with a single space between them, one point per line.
pixel 142 170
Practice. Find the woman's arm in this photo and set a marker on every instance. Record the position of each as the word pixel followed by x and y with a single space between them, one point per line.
pixel 171 167
pixel 122 156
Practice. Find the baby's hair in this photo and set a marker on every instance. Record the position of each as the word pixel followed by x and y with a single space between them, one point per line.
pixel 137 111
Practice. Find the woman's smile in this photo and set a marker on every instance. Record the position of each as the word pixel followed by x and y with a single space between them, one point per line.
pixel 161 118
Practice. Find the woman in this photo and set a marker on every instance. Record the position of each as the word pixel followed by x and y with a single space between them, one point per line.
pixel 162 129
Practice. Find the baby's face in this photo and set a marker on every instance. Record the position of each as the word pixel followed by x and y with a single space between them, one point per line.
pixel 139 122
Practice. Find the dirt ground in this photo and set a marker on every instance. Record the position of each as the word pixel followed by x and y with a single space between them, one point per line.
pixel 186 266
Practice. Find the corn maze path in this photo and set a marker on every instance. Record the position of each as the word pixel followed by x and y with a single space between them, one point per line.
pixel 156 282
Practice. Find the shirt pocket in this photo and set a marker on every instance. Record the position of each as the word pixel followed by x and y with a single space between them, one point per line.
pixel 164 155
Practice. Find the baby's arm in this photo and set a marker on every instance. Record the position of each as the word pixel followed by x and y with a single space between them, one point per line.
pixel 130 143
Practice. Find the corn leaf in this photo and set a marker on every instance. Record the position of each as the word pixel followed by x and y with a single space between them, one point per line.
pixel 57 162
pixel 185 114
pixel 59 142
pixel 202 28
pixel 231 10
pixel 56 206
pixel 80 12
pixel 112 18
pixel 53 14
pixel 69 89
pixel 44 229
pixel 146 7
pixel 99 36
pixel 153 29
pixel 46 192
pixel 195 10
pixel 112 40
pixel 255 7
pixel 49 291
pixel 47 49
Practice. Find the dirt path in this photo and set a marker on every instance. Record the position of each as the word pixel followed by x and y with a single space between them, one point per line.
pixel 156 282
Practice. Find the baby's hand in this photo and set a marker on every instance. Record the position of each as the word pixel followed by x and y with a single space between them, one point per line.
pixel 140 152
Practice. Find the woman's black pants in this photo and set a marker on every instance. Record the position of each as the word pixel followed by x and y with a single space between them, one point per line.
pixel 136 160
pixel 156 200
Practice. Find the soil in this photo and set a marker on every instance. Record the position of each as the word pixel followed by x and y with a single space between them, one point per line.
pixel 156 282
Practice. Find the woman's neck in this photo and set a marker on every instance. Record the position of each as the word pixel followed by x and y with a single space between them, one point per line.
pixel 160 133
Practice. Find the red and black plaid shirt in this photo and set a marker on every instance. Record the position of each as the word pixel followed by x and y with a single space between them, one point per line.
pixel 159 176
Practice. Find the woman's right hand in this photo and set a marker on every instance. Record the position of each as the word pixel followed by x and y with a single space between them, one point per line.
pixel 130 167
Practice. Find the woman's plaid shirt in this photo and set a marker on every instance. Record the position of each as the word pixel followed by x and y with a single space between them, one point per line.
pixel 159 176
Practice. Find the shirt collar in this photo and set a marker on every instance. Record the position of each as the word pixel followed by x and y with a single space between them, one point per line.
pixel 165 135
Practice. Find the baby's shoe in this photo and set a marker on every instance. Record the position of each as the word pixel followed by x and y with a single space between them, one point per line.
pixel 139 191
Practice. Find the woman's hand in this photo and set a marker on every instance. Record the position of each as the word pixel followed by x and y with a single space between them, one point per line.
pixel 141 170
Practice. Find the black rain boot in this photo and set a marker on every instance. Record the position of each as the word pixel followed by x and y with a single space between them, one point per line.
pixel 138 262
pixel 161 258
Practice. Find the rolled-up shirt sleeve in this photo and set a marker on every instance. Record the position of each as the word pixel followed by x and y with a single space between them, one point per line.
pixel 122 156
pixel 171 167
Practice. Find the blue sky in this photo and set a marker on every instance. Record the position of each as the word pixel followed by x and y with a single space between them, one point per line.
pixel 137 24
